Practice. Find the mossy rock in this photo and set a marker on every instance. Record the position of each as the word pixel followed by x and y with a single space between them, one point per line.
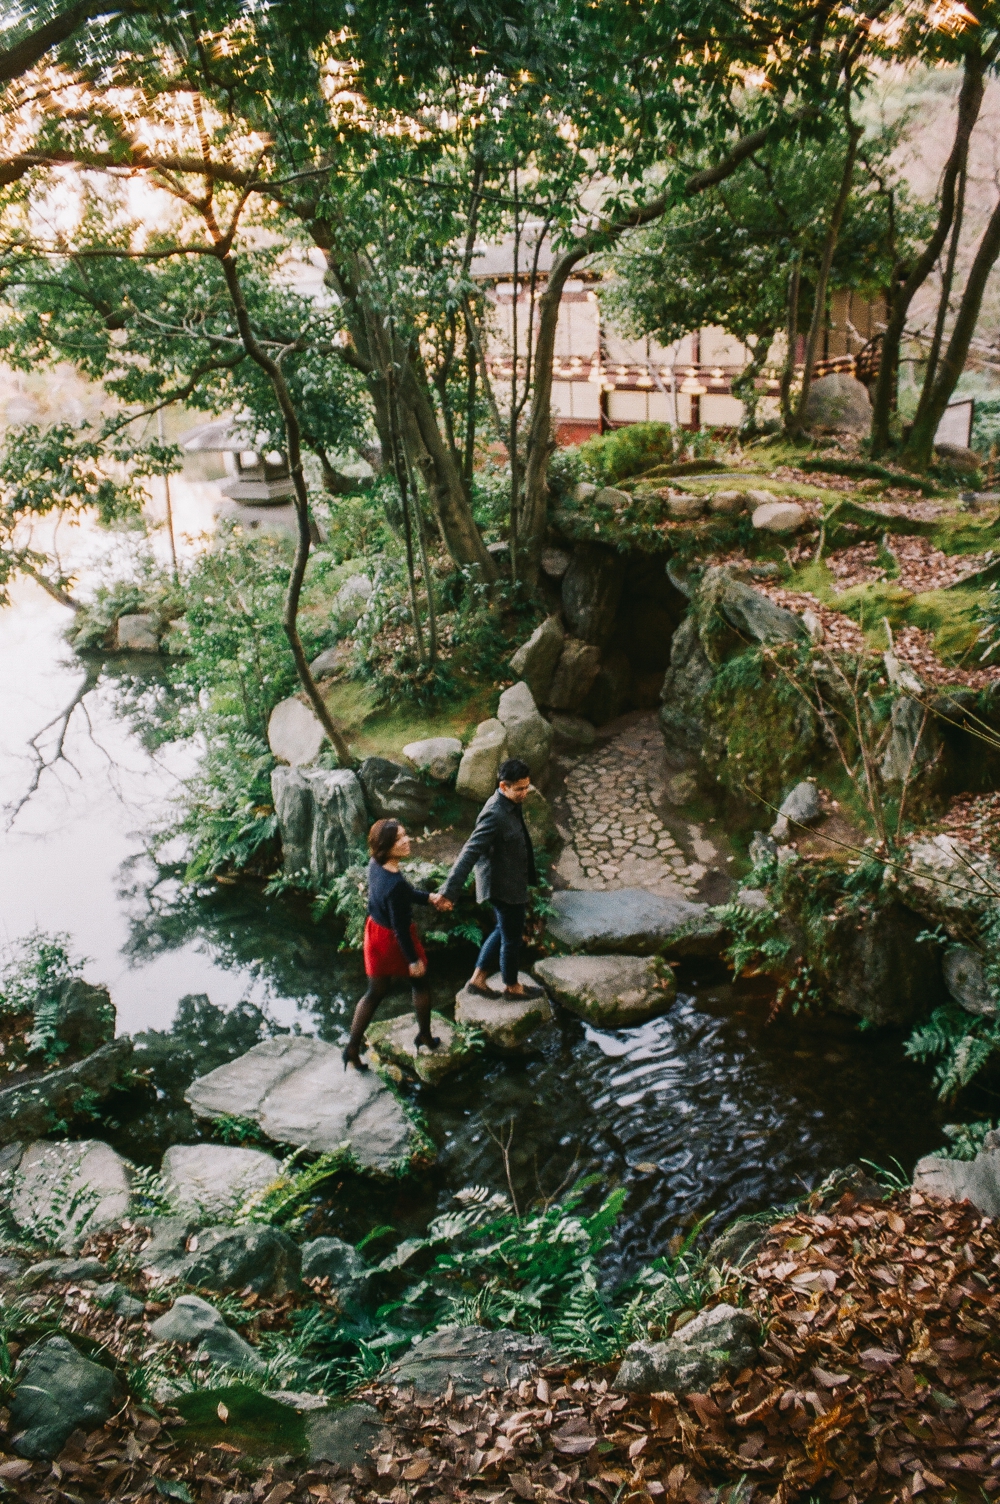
pixel 610 992
pixel 505 1024
pixel 393 1041
pixel 259 1426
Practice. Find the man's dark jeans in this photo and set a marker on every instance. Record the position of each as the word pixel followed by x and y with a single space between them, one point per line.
pixel 505 942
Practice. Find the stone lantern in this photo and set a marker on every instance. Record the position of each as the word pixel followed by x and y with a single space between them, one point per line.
pixel 258 474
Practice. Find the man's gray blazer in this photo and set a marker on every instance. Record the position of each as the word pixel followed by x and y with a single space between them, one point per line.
pixel 500 850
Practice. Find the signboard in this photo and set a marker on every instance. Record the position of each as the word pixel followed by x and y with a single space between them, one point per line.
pixel 956 423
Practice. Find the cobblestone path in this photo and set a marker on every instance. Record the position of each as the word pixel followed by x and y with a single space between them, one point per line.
pixel 612 821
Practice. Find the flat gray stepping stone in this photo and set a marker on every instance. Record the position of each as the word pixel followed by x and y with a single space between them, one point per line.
pixel 298 1091
pixel 610 992
pixel 471 1359
pixel 505 1023
pixel 345 1434
pixel 392 1041
pixel 631 920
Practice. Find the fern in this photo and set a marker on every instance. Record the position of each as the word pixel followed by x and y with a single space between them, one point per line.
pixel 283 1202
pixel 961 1043
pixel 966 1139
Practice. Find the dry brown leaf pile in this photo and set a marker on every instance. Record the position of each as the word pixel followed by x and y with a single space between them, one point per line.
pixel 975 820
pixel 921 565
pixel 879 1381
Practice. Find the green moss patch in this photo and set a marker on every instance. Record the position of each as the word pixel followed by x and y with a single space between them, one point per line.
pixel 258 1426
pixel 379 732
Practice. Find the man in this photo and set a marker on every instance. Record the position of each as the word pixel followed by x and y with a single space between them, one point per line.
pixel 500 850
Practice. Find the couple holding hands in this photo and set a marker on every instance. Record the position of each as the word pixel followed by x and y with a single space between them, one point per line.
pixel 500 850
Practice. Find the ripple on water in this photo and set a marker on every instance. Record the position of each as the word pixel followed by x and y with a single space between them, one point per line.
pixel 734 1116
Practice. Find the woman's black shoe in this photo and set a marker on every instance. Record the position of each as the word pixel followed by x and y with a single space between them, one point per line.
pixel 352 1056
pixel 480 991
pixel 430 1043
pixel 530 991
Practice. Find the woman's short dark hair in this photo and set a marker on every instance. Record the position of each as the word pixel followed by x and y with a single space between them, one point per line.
pixel 513 770
pixel 382 838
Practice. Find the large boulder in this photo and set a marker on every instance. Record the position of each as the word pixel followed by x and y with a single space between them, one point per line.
pixel 191 1319
pixel 966 981
pixel 394 792
pixel 976 1180
pixel 839 404
pixel 477 772
pixel 437 757
pixel 591 590
pixel 540 823
pixel 38 1106
pixel 57 1391
pixel 715 1342
pixel 529 735
pixel 633 921
pixel 139 633
pixel 914 741
pixel 505 1024
pixel 535 660
pixel 572 733
pixel 62 1191
pixel 578 666
pixel 263 1259
pixel 779 517
pixel 798 808
pixel 610 992
pixel 880 973
pixel 64 1271
pixel 212 1181
pixel 297 1090
pixel 609 694
pixel 344 1434
pixel 685 689
pixel 749 612
pixel 949 884
pixel 471 1359
pixel 75 1020
pixel 344 1271
pixel 323 820
pixel 351 599
pixel 294 734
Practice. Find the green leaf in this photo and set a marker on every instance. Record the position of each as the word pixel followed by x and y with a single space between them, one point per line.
pixel 173 1488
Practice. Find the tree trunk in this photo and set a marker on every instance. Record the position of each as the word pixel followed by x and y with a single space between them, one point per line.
pixel 791 340
pixel 290 617
pixel 902 292
pixel 944 304
pixel 920 445
pixel 798 424
pixel 426 449
pixel 540 442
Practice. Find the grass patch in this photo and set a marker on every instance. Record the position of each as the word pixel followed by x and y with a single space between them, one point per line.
pixel 258 1426
pixel 382 732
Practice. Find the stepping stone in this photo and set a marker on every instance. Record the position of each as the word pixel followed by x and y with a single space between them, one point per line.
pixel 298 1091
pixel 392 1041
pixel 610 992
pixel 212 1181
pixel 633 921
pixel 505 1023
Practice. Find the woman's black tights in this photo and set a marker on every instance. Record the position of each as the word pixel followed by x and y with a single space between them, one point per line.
pixel 368 1006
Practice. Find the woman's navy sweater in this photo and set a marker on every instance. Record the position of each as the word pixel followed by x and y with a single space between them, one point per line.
pixel 390 904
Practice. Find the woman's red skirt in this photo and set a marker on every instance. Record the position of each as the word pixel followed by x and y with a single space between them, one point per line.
pixel 383 956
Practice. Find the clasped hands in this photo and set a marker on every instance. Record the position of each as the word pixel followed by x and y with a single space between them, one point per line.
pixel 442 904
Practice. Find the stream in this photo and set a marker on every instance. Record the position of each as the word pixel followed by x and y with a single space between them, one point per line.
pixel 708 1111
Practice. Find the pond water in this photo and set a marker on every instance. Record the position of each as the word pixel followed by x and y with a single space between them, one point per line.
pixel 706 1111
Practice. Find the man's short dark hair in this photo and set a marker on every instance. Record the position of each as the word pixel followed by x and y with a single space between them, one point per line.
pixel 512 770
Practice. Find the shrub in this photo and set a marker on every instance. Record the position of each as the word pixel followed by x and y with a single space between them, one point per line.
pixel 615 456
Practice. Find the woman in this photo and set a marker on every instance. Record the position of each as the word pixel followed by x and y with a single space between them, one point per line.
pixel 392 946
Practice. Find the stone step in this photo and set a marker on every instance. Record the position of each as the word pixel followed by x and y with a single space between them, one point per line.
pixel 393 1042
pixel 610 992
pixel 505 1023
pixel 299 1093
pixel 633 921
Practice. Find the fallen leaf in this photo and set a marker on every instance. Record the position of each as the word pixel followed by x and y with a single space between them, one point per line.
pixel 16 1468
pixel 222 1412
pixel 646 1168
pixel 573 1446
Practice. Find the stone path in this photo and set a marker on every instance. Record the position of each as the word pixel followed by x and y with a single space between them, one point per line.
pixel 613 827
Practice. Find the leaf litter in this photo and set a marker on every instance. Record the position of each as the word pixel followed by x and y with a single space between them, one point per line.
pixel 878 1383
